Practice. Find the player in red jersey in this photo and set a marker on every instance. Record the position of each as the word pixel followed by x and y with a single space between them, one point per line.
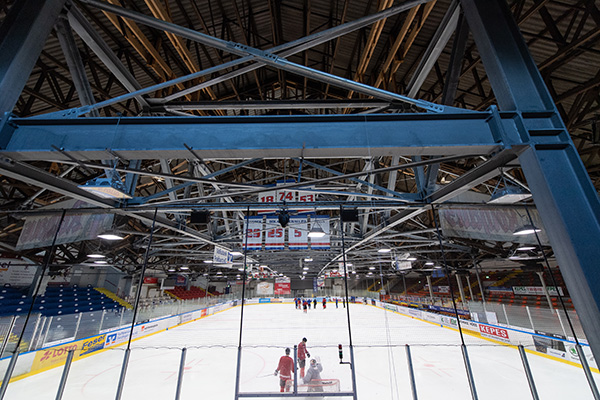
pixel 302 354
pixel 285 369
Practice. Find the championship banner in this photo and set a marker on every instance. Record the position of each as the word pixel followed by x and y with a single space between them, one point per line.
pixel 222 256
pixel 253 228
pixel 497 224
pixel 282 286
pixel 298 233
pixel 322 243
pixel 275 234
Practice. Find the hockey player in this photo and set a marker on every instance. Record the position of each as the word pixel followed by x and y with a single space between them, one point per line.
pixel 285 369
pixel 313 376
pixel 302 354
pixel 315 304
pixel 324 303
pixel 304 305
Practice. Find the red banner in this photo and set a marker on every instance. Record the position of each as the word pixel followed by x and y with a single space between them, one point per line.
pixel 150 280
pixel 282 286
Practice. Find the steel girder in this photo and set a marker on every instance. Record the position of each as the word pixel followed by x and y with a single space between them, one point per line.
pixel 245 137
pixel 564 195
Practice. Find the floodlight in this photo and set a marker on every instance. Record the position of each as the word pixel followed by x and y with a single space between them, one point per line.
pixel 111 235
pixel 96 256
pixel 316 232
pixel 106 188
pixel 526 230
pixel 508 195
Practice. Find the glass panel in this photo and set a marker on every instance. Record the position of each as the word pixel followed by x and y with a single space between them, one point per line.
pixel 492 363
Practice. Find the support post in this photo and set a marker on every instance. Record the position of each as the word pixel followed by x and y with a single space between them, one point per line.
pixel 411 373
pixel 65 374
pixel 469 372
pixel 430 288
pixel 8 374
pixel 23 34
pixel 541 276
pixel 532 388
pixel 180 375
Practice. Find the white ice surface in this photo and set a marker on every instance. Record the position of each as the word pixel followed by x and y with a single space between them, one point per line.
pixel 379 339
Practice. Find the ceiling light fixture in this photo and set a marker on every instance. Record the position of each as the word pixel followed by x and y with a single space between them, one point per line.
pixel 96 256
pixel 509 193
pixel 527 230
pixel 316 232
pixel 525 248
pixel 112 235
pixel 384 250
pixel 106 188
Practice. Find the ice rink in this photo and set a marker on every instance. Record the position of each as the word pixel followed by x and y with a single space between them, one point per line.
pixel 379 339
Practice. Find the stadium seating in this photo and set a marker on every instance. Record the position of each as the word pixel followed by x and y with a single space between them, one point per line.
pixel 58 300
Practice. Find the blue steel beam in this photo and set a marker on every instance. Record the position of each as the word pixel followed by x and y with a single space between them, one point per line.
pixel 23 34
pixel 249 137
pixel 564 195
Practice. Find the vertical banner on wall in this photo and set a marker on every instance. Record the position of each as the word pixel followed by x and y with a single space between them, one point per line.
pixel 275 234
pixel 282 286
pixel 298 233
pixel 253 228
pixel 322 243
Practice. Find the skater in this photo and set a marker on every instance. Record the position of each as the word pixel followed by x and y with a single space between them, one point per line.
pixel 324 303
pixel 315 304
pixel 302 354
pixel 336 302
pixel 285 370
pixel 304 306
pixel 309 302
pixel 313 376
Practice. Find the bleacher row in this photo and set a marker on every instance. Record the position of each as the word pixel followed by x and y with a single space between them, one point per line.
pixel 194 293
pixel 505 279
pixel 55 301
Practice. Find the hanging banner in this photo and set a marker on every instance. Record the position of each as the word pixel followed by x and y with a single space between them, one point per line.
pixel 322 243
pixel 222 256
pixel 264 288
pixel 282 286
pixel 39 230
pixel 298 233
pixel 497 224
pixel 275 234
pixel 17 272
pixel 253 228
pixel 304 196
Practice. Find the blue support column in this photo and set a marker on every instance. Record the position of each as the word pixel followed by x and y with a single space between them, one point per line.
pixel 22 37
pixel 564 195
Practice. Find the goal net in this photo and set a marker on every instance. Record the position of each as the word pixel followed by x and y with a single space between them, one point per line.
pixel 320 385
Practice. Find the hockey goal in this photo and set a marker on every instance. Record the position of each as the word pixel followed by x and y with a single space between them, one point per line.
pixel 320 385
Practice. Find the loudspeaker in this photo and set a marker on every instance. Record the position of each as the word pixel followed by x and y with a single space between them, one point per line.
pixel 199 217
pixel 349 215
